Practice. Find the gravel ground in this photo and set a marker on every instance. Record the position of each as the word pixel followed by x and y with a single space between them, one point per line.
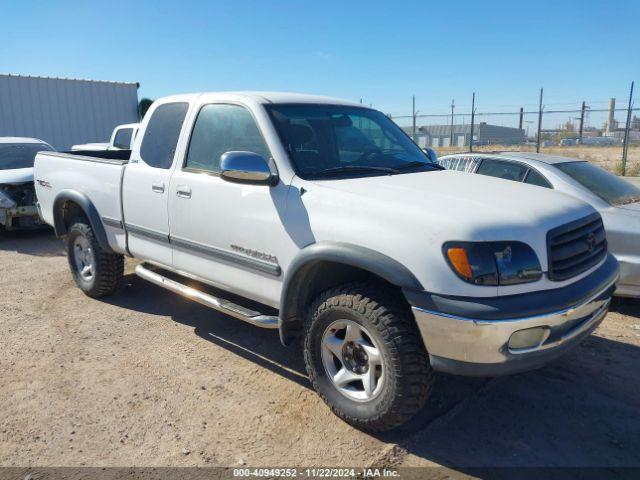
pixel 146 378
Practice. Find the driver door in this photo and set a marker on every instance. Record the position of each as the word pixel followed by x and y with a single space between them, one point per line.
pixel 228 234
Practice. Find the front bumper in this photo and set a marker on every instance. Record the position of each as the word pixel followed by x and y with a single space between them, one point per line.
pixel 20 217
pixel 480 346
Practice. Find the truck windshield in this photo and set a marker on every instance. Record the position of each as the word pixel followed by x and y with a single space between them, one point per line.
pixel 607 186
pixel 343 141
pixel 19 155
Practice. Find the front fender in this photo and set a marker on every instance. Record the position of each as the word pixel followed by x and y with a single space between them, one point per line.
pixel 376 263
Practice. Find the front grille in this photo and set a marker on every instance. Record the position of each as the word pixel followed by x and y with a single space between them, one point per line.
pixel 576 247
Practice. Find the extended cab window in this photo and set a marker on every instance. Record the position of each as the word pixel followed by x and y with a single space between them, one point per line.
pixel 220 129
pixel 161 136
pixel 500 169
pixel 123 138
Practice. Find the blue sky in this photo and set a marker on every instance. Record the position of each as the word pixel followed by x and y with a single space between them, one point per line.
pixel 382 52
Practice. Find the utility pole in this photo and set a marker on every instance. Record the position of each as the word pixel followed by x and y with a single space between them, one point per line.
pixel 473 114
pixel 539 123
pixel 521 118
pixel 584 106
pixel 625 144
pixel 451 133
pixel 413 115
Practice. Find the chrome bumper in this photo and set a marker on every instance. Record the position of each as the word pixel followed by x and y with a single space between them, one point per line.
pixel 474 347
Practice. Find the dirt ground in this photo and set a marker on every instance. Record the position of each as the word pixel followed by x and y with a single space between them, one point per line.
pixel 146 378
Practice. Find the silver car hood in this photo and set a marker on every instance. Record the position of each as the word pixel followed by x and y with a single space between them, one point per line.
pixel 16 176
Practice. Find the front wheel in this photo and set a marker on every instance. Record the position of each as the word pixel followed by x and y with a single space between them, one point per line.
pixel 365 357
pixel 96 272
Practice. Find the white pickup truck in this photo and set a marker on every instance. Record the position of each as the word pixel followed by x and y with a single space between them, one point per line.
pixel 122 138
pixel 322 219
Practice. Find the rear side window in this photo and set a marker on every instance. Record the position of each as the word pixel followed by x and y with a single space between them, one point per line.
pixel 161 136
pixel 534 178
pixel 500 169
pixel 220 129
pixel 123 138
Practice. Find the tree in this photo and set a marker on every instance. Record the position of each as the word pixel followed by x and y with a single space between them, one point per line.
pixel 143 106
pixel 569 127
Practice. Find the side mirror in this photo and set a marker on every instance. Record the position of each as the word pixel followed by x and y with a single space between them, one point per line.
pixel 431 153
pixel 246 167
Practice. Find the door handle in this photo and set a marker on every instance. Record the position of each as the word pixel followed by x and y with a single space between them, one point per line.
pixel 157 187
pixel 183 191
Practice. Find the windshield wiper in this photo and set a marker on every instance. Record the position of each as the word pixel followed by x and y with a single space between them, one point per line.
pixel 354 168
pixel 412 165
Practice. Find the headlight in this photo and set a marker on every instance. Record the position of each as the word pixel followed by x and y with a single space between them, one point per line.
pixel 6 201
pixel 493 263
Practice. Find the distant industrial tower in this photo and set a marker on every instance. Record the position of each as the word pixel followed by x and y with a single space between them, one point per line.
pixel 612 125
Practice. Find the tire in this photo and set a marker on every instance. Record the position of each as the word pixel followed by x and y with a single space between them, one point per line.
pixel 391 382
pixel 105 269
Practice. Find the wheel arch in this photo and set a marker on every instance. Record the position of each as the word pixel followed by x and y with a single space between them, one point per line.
pixel 327 264
pixel 70 203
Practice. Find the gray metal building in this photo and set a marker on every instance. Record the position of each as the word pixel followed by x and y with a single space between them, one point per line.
pixel 64 111
pixel 483 134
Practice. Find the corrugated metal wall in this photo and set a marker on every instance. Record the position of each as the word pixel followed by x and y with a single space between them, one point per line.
pixel 62 111
pixel 495 134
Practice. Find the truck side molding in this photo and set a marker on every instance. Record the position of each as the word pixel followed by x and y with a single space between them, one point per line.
pixel 300 278
pixel 88 208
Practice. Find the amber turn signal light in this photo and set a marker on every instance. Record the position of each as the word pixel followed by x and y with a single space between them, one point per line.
pixel 460 261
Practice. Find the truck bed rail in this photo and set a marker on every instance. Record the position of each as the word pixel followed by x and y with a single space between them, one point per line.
pixel 116 157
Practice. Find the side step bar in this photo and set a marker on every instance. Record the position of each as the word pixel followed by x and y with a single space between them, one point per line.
pixel 219 304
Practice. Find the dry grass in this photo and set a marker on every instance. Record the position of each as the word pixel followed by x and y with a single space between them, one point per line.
pixel 606 157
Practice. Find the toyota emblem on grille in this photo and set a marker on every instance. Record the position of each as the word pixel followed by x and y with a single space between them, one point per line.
pixel 591 242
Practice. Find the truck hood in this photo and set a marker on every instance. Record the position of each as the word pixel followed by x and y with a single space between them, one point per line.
pixel 16 176
pixel 410 217
pixel 472 206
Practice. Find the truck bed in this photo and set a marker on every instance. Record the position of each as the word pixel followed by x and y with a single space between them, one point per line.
pixel 95 175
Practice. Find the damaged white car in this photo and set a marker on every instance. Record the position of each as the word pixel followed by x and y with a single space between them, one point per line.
pixel 17 194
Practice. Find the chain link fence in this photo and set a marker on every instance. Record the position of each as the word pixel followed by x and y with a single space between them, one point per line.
pixel 606 133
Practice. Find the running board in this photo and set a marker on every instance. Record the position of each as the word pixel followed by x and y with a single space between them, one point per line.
pixel 219 304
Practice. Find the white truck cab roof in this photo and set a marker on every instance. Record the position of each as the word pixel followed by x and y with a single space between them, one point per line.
pixel 259 97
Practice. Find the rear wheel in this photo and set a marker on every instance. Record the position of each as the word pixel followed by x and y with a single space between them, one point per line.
pixel 365 357
pixel 95 271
